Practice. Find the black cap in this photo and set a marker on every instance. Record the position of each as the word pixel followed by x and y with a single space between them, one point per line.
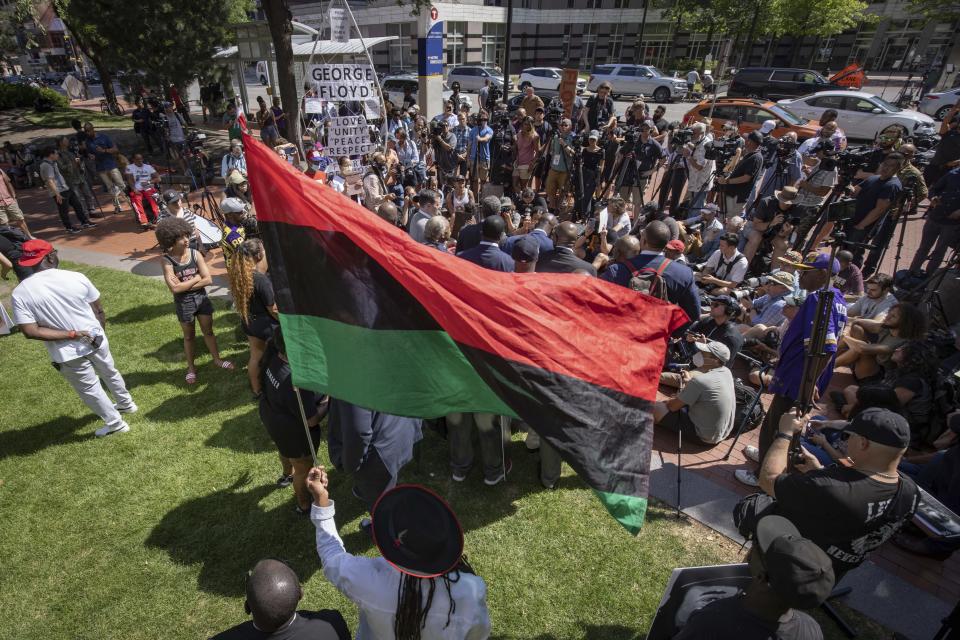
pixel 526 249
pixel 882 426
pixel 797 569
pixel 756 137
pixel 416 531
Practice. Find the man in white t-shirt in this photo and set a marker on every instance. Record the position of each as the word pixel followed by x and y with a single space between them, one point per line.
pixel 725 269
pixel 63 309
pixel 142 179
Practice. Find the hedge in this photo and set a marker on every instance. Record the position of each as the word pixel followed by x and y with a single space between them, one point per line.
pixel 23 95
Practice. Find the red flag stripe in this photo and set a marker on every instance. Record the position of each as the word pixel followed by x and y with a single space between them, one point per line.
pixel 569 324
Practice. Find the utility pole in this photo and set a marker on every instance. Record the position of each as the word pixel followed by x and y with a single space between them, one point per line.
pixel 638 52
pixel 506 52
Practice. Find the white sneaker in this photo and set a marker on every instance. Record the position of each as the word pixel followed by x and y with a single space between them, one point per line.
pixel 459 477
pixel 130 408
pixel 123 427
pixel 746 477
pixel 750 452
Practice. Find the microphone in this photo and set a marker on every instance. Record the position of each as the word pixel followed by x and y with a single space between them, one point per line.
pixel 679 366
pixel 749 359
pixel 861 245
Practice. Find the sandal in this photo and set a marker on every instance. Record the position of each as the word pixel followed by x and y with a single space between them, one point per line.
pixel 191 377
pixel 225 364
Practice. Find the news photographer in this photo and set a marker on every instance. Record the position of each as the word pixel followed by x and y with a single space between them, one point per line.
pixel 413 168
pixel 444 144
pixel 599 113
pixel 700 169
pixel 234 160
pixel 783 170
pixel 708 227
pixel 813 189
pixel 767 310
pixel 704 408
pixel 725 269
pixel 888 141
pixel 675 176
pixel 636 161
pixel 375 190
pixel 719 325
pixel 875 196
pixel 738 185
pixel 941 229
pixel 560 154
pixel 947 155
pixel 769 215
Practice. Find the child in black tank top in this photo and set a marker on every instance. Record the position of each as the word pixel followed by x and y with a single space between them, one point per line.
pixel 186 275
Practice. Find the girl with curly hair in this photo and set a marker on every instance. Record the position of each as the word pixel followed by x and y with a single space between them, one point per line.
pixel 254 300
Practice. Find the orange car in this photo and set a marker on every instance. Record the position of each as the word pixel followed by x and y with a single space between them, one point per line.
pixel 749 114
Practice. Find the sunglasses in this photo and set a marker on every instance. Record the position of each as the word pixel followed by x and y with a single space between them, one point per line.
pixel 717 304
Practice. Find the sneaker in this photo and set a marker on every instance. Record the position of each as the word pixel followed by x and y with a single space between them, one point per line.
pixel 301 511
pixel 73 230
pixel 285 481
pixel 508 467
pixel 123 427
pixel 87 225
pixel 366 526
pixel 750 452
pixel 748 478
pixel 459 477
pixel 130 408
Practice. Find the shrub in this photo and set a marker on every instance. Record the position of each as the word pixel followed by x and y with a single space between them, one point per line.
pixel 13 96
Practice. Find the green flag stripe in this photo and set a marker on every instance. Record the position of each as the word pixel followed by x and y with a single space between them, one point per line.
pixel 404 372
pixel 629 511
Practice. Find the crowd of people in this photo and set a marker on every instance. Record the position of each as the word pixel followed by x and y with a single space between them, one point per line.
pixel 746 234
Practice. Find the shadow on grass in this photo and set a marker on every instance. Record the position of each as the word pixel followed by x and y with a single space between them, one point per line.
pixel 143 313
pixel 592 632
pixel 59 430
pixel 244 433
pixel 227 532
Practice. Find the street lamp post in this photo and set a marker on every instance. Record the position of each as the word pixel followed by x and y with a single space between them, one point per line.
pixel 637 54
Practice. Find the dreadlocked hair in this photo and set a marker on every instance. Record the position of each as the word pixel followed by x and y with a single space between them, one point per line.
pixel 412 611
pixel 241 271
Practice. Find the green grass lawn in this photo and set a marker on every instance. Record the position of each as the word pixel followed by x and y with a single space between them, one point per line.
pixel 60 119
pixel 148 534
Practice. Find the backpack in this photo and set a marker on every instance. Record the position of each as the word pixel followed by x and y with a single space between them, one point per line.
pixel 745 397
pixel 649 281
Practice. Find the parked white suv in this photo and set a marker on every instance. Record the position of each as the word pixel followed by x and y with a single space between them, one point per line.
pixel 638 80
pixel 546 80
pixel 472 77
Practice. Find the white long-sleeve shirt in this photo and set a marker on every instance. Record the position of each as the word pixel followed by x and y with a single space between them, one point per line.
pixel 372 584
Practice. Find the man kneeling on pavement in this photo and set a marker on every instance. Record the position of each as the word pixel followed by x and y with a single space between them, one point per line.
pixel 705 406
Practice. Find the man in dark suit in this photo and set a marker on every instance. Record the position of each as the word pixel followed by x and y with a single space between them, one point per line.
pixel 681 289
pixel 543 226
pixel 562 258
pixel 469 236
pixel 488 253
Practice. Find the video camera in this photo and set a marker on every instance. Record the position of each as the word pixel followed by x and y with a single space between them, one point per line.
pixel 679 137
pixel 721 150
pixel 785 147
pixel 850 161
pixel 195 139
pixel 553 115
pixel 436 127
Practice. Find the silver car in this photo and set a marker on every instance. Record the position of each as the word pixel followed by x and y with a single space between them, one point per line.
pixel 471 78
pixel 638 80
pixel 938 104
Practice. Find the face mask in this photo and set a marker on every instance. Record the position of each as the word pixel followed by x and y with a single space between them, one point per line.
pixel 315 166
pixel 697 359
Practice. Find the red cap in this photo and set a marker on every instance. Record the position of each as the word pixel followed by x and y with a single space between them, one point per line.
pixel 33 251
pixel 675 245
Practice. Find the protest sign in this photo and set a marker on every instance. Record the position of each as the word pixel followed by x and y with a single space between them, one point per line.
pixel 313 105
pixel 339 27
pixel 348 136
pixel 340 82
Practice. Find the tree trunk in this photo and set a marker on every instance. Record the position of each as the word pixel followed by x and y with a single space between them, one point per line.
pixel 748 43
pixel 813 52
pixel 106 77
pixel 703 60
pixel 279 19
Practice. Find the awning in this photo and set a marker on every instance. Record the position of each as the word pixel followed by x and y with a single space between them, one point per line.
pixel 302 50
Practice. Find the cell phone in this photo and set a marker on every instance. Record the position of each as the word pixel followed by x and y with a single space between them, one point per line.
pixel 96 341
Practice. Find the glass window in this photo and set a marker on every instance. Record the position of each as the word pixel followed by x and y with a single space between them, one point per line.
pixel 827 102
pixel 782 76
pixel 629 72
pixel 456 33
pixel 860 105
pixel 621 4
pixel 756 115
pixel 401 54
pixel 722 112
pixel 493 42
pixel 786 115
pixel 615 43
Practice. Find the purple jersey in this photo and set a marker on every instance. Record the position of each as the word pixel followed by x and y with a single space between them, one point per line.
pixel 789 371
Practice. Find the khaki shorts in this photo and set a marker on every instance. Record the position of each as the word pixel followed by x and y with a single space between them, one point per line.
pixel 10 213
pixel 522 171
pixel 556 181
pixel 481 170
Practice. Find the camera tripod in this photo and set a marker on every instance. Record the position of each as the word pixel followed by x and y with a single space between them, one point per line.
pixel 899 214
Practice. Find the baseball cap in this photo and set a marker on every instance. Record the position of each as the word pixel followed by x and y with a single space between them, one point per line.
pixel 717 349
pixel 236 177
pixel 781 277
pixel 505 202
pixel 594 135
pixel 797 569
pixel 675 245
pixel 33 251
pixel 818 261
pixel 791 257
pixel 526 249
pixel 768 126
pixel 233 205
pixel 710 208
pixel 881 426
pixel 171 195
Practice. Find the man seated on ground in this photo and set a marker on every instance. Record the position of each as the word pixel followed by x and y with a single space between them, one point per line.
pixel 143 180
pixel 767 310
pixel 273 593
pixel 718 325
pixel 877 300
pixel 789 573
pixel 725 269
pixel 850 278
pixel 710 229
pixel 867 357
pixel 234 160
pixel 674 251
pixel 769 212
pixel 764 341
pixel 848 511
pixel 705 406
